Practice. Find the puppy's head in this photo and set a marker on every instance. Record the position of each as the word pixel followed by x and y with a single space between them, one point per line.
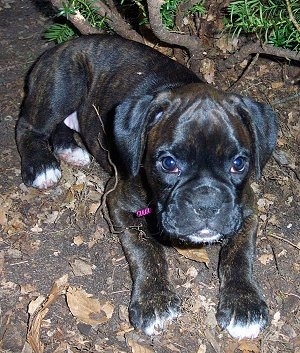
pixel 197 147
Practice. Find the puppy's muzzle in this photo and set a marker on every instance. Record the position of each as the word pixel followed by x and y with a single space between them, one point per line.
pixel 209 204
pixel 201 214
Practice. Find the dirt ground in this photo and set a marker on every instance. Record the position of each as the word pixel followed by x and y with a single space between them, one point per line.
pixel 55 248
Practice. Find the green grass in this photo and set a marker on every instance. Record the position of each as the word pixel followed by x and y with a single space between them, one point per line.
pixel 268 19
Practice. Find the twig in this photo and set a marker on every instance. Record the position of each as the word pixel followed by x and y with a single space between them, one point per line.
pixel 292 18
pixel 283 239
pixel 245 73
pixel 287 99
pixel 103 205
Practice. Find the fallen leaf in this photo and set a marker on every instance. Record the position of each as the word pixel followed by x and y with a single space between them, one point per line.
pixel 27 288
pixel 277 84
pixel 78 240
pixel 265 258
pixel 1 262
pixel 173 348
pixel 208 70
pixel 81 267
pixel 192 272
pixel 249 346
pixel 3 216
pixel 38 309
pixel 202 348
pixel 199 254
pixel 86 309
pixel 94 207
pixel 137 347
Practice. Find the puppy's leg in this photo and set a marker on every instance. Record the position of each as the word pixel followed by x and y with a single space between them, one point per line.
pixel 153 301
pixel 242 309
pixel 65 146
pixel 39 167
pixel 55 88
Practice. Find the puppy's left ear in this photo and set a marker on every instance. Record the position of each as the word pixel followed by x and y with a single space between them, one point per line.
pixel 130 129
pixel 261 122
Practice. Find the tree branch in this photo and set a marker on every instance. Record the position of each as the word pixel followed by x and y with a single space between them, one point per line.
pixel 78 20
pixel 292 18
pixel 257 48
pixel 191 43
pixel 116 22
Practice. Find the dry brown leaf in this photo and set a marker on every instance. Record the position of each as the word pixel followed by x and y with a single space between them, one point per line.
pixel 27 348
pixel 94 207
pixel 38 309
pixel 277 84
pixel 1 262
pixel 199 255
pixel 137 347
pixel 81 267
pixel 86 309
pixel 35 304
pixel 78 187
pixel 249 346
pixel 78 240
pixel 208 70
pixel 27 288
pixel 3 216
pixel 266 258
pixel 202 348
pixel 172 348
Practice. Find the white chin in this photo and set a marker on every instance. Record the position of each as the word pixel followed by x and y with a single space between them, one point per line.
pixel 205 236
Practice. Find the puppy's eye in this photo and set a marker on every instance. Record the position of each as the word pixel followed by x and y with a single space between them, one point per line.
pixel 169 165
pixel 238 165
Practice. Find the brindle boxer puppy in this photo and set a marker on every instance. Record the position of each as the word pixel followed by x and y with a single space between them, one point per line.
pixel 181 147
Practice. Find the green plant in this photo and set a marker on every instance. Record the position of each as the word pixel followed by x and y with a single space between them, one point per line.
pixel 63 32
pixel 59 33
pixel 269 20
pixel 170 7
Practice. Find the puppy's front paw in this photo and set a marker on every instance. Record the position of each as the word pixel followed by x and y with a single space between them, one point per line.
pixel 41 176
pixel 242 311
pixel 149 311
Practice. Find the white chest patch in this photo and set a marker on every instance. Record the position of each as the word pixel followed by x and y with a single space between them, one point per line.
pixel 72 122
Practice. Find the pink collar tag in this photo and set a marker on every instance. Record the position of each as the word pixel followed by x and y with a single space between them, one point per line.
pixel 143 212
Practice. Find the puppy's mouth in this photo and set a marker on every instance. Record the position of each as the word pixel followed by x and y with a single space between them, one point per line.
pixel 204 236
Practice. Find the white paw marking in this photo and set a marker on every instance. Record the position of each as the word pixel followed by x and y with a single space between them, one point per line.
pixel 245 331
pixel 47 178
pixel 77 156
pixel 157 325
pixel 72 122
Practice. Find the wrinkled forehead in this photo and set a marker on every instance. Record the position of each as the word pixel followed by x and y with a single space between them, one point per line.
pixel 201 123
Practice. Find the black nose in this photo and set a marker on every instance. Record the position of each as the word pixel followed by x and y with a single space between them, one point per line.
pixel 208 201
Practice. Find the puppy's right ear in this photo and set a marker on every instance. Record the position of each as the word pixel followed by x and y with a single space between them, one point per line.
pixel 132 117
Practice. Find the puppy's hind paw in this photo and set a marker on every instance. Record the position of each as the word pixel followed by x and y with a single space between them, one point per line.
pixel 46 178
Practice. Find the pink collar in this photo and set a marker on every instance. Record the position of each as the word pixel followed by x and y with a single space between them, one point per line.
pixel 143 212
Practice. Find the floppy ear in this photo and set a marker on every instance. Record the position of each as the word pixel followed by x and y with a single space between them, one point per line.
pixel 131 120
pixel 261 121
